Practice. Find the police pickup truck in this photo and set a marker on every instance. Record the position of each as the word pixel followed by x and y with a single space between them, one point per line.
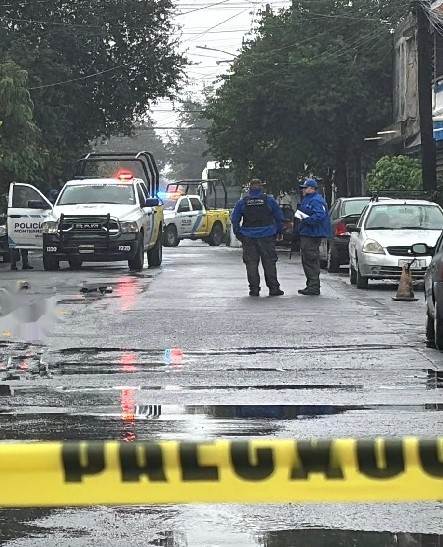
pixel 187 216
pixel 95 219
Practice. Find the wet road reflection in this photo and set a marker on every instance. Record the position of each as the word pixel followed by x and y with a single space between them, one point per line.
pixel 193 526
pixel 127 399
pixel 346 538
pixel 109 376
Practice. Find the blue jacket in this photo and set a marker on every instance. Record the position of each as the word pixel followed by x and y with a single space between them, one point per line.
pixel 318 224
pixel 262 231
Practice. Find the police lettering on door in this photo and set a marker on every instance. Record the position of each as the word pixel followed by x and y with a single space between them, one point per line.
pixel 28 227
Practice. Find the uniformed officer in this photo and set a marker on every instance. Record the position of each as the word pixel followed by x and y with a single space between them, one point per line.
pixel 261 222
pixel 315 226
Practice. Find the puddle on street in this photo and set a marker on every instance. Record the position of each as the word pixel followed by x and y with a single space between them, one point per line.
pixel 346 538
pixel 122 414
pixel 172 526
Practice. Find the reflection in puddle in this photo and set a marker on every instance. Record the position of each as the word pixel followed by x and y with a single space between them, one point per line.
pixel 127 405
pixel 278 412
pixel 127 361
pixel 434 379
pixel 346 538
pixel 173 356
pixel 126 290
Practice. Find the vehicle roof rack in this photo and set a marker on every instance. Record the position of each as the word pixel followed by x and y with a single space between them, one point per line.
pixel 144 158
pixel 200 185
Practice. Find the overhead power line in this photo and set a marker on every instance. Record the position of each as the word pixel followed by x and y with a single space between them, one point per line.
pixel 63 82
pixel 210 29
pixel 207 6
pixel 54 23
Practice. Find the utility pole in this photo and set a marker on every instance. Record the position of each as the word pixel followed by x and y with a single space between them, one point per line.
pixel 425 48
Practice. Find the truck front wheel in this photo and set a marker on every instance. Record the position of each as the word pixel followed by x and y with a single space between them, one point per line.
pixel 170 236
pixel 50 263
pixel 75 263
pixel 136 264
pixel 216 236
pixel 155 255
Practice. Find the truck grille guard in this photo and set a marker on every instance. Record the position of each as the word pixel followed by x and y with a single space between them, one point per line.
pixel 81 225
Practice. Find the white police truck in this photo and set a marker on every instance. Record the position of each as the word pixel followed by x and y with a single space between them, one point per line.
pixel 95 218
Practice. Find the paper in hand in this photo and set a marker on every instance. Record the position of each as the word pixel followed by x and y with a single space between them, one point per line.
pixel 300 215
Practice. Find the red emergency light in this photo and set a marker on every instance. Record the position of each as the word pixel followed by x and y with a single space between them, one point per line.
pixel 124 174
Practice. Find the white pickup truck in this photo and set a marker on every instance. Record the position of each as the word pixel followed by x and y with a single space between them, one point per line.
pixel 186 217
pixel 93 220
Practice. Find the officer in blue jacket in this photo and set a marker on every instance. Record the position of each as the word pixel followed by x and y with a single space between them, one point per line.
pixel 312 230
pixel 262 221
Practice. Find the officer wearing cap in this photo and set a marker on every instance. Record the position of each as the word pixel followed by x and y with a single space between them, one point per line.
pixel 312 229
pixel 261 221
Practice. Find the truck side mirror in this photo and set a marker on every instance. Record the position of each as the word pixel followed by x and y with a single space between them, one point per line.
pixel 353 228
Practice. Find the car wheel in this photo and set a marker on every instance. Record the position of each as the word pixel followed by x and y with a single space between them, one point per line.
pixel 136 264
pixel 75 263
pixel 438 326
pixel 155 255
pixel 352 275
pixel 228 237
pixel 361 281
pixel 430 330
pixel 216 236
pixel 333 265
pixel 170 236
pixel 50 263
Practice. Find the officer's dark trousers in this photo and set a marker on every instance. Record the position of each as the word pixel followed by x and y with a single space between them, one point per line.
pixel 310 259
pixel 15 257
pixel 263 249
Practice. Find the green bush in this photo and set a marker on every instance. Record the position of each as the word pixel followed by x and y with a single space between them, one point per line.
pixel 395 173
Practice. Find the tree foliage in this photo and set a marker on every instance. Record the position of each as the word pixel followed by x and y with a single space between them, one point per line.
pixel 189 145
pixel 395 173
pixel 302 95
pixel 142 137
pixel 94 66
pixel 21 154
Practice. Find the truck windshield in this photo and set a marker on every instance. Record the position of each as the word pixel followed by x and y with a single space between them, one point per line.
pixel 407 216
pixel 119 194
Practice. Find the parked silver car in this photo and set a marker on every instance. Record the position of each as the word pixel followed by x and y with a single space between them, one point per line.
pixel 381 243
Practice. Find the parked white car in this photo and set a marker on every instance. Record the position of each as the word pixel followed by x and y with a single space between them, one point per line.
pixel 381 243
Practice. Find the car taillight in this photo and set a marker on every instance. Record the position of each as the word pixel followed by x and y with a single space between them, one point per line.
pixel 341 229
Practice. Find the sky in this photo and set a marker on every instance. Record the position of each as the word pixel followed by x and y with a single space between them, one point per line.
pixel 217 24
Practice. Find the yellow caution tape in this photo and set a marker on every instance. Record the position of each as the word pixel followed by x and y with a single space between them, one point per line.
pixel 270 471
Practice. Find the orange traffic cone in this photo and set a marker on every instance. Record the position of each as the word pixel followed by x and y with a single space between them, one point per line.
pixel 405 291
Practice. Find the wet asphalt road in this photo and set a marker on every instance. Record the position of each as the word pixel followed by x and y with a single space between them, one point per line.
pixel 182 352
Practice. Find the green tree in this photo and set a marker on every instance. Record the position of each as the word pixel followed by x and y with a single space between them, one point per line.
pixel 21 154
pixel 188 148
pixel 395 173
pixel 94 67
pixel 303 93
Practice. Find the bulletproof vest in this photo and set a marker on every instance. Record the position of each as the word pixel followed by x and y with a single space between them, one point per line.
pixel 257 212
